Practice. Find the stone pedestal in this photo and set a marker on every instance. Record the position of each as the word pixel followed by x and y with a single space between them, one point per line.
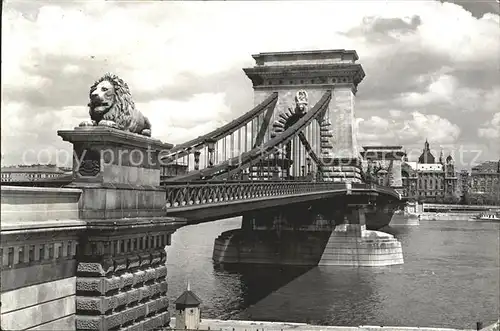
pixel 351 244
pixel 120 262
pixel 315 72
pixel 119 171
pixel 103 155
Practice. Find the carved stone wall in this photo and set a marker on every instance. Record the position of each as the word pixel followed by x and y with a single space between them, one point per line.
pixel 121 276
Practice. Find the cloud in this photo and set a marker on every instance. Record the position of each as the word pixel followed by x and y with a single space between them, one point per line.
pixel 432 68
pixel 407 131
pixel 491 130
pixel 395 113
pixel 174 120
pixel 444 90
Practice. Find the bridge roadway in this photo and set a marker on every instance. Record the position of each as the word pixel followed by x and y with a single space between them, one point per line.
pixel 200 202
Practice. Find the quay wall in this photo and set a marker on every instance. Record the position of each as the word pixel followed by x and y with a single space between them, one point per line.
pixel 235 325
pixel 428 207
pixel 464 216
pixel 39 239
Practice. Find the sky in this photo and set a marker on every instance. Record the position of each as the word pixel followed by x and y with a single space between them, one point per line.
pixel 432 67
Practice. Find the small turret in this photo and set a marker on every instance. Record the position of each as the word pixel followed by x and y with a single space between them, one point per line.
pixel 187 308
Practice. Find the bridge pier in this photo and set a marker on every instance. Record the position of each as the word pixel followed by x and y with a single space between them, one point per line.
pixel 328 232
pixel 351 244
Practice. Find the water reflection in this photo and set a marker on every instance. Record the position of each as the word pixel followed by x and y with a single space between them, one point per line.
pixel 225 289
pixel 258 281
pixel 450 279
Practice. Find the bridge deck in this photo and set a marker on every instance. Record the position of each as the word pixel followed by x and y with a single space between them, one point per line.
pixel 207 201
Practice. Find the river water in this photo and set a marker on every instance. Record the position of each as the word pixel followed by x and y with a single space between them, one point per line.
pixel 450 279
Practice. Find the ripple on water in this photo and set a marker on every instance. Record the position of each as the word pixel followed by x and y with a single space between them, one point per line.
pixel 450 279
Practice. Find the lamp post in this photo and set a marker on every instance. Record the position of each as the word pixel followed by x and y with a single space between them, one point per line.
pixel 197 160
pixel 308 161
pixel 188 154
pixel 211 149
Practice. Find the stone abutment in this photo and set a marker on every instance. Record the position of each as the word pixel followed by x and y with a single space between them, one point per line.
pixel 340 232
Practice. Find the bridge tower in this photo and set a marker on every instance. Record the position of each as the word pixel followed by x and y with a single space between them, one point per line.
pixel 387 160
pixel 315 72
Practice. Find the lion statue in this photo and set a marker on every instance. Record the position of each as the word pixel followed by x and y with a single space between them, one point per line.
pixel 111 105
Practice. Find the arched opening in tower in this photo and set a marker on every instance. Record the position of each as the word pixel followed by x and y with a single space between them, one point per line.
pixel 285 121
pixel 280 126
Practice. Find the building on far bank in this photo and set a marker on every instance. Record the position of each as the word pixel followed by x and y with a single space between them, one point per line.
pixel 462 183
pixel 484 183
pixel 33 172
pixel 426 180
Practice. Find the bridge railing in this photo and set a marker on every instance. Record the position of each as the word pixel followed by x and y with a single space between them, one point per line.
pixel 183 194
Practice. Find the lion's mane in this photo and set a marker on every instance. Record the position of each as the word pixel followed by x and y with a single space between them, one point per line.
pixel 123 111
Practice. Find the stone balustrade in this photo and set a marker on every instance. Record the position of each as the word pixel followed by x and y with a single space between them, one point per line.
pixel 40 233
pixel 39 204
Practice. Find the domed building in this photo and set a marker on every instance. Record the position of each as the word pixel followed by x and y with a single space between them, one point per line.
pixel 429 181
pixel 426 157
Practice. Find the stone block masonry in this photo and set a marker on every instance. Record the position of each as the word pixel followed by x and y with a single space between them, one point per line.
pixel 89 257
pixel 62 274
pixel 37 279
pixel 303 248
pixel 121 276
pixel 277 237
pixel 361 248
pixel 316 72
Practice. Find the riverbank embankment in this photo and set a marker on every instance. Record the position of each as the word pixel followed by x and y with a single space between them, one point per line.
pixel 235 325
pixel 427 216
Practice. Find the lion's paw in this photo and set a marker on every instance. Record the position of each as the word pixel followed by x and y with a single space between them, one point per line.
pixel 146 132
pixel 88 123
pixel 108 123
